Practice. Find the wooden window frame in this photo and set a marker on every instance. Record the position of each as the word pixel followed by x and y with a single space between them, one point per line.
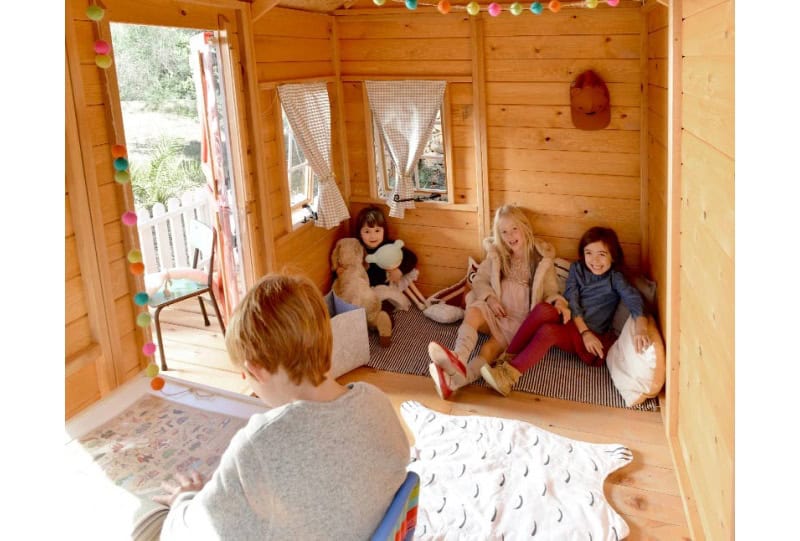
pixel 446 141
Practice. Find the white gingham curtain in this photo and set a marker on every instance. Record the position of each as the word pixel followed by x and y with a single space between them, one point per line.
pixel 405 112
pixel 308 110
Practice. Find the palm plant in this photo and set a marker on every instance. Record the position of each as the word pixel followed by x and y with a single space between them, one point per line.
pixel 169 173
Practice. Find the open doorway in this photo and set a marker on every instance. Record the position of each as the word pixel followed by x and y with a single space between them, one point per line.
pixel 177 135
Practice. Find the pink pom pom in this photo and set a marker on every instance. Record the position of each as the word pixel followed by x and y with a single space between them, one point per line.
pixel 129 218
pixel 612 3
pixel 101 47
pixel 149 348
pixel 494 9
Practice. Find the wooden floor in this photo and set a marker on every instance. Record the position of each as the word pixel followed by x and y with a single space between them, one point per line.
pixel 645 492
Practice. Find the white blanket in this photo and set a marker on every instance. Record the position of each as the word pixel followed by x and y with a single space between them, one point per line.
pixel 497 479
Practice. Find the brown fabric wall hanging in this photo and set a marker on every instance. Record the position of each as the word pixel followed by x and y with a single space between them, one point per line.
pixel 589 102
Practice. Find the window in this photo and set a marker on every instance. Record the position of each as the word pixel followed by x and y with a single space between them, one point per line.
pixel 302 180
pixel 430 175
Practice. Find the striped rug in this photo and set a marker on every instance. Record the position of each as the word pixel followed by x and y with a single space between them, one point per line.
pixel 560 375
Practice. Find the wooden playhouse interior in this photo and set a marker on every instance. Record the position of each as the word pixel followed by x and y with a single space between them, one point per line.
pixel 661 174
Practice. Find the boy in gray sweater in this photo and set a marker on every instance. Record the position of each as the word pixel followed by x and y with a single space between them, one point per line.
pixel 323 463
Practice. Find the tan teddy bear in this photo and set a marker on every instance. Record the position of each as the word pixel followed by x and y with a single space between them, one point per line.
pixel 352 286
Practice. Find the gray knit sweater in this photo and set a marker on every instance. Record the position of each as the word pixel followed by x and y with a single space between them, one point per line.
pixel 306 470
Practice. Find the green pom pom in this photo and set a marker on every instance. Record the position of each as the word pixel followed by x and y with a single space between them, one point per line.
pixel 122 177
pixel 134 256
pixel 95 13
pixel 102 61
pixel 151 370
pixel 143 319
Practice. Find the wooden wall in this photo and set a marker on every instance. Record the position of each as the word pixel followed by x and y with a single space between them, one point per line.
pixel 416 45
pixel 293 46
pixel 656 27
pixel 705 426
pixel 569 179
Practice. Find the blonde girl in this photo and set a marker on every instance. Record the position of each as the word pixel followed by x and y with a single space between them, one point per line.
pixel 517 273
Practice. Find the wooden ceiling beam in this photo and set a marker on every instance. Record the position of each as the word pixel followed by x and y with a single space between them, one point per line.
pixel 260 7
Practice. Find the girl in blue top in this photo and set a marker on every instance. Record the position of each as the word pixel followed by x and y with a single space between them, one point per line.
pixel 595 286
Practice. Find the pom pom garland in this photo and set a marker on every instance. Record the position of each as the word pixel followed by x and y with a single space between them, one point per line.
pixel 143 319
pixel 101 47
pixel 151 370
pixel 137 269
pixel 129 218
pixel 157 383
pixel 122 177
pixel 141 298
pixel 148 349
pixel 120 164
pixel 134 256
pixel 102 61
pixel 95 13
pixel 495 9
pixel 118 151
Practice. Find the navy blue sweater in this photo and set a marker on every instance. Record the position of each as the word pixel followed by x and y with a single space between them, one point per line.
pixel 595 298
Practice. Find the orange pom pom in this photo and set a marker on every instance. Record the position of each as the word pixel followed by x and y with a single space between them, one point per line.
pixel 554 6
pixel 157 383
pixel 137 268
pixel 118 151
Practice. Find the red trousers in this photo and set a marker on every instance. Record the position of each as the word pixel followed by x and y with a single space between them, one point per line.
pixel 541 330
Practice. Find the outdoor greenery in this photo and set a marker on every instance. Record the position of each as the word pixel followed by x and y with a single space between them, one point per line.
pixel 169 173
pixel 152 66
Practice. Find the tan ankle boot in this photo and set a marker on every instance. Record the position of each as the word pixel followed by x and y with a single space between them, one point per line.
pixel 501 377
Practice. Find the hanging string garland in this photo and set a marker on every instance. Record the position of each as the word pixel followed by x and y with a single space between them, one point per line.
pixel 494 9
pixel 122 176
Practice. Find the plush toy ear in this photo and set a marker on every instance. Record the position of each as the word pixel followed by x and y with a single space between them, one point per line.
pixel 399 243
pixel 371 258
pixel 335 257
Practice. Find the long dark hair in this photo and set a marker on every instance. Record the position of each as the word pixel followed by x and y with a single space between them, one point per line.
pixel 608 237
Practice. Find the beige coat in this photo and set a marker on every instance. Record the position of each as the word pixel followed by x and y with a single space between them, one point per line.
pixel 544 286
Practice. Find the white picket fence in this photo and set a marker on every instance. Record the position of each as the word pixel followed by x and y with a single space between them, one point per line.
pixel 162 234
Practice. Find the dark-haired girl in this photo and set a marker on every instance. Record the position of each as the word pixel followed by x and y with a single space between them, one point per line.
pixel 595 286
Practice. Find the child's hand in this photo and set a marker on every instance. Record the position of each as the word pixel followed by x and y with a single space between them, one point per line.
pixel 592 343
pixel 496 306
pixel 394 275
pixel 641 341
pixel 564 311
pixel 186 484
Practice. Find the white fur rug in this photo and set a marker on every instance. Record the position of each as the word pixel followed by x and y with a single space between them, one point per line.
pixel 497 479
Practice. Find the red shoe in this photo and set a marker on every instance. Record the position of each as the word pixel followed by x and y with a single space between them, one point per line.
pixel 440 381
pixel 446 359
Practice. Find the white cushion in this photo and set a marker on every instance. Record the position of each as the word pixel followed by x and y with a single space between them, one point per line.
pixel 444 313
pixel 350 342
pixel 637 376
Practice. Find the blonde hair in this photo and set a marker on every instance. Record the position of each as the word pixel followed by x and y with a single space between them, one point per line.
pixel 515 214
pixel 282 321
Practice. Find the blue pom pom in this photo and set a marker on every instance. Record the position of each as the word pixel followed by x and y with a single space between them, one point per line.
pixel 536 8
pixel 141 298
pixel 411 4
pixel 120 164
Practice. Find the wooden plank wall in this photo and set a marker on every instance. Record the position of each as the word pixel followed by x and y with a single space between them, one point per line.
pixel 416 45
pixel 569 179
pixel 705 429
pixel 657 139
pixel 289 46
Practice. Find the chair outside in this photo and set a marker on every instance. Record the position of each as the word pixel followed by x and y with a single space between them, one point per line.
pixel 202 240
pixel 400 520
